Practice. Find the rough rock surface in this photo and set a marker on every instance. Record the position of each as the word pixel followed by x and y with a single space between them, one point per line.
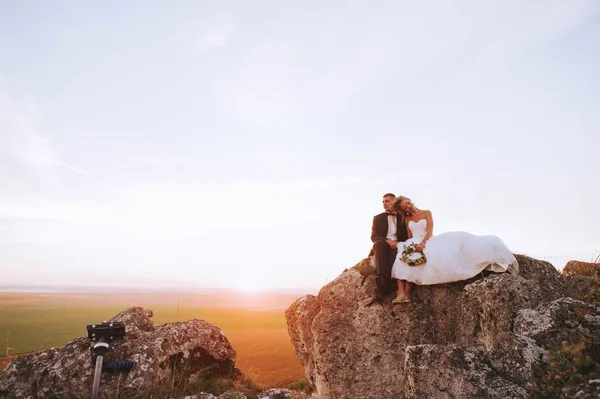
pixel 582 281
pixel 578 268
pixel 452 371
pixel 564 319
pixel 274 393
pixel 161 354
pixel 201 395
pixel 589 390
pixel 232 395
pixel 457 340
pixel 283 393
pixel 584 288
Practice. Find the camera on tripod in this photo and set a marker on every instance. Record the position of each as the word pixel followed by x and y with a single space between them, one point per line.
pixel 103 334
pixel 106 331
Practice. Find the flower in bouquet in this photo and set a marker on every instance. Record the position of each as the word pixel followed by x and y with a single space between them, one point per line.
pixel 411 256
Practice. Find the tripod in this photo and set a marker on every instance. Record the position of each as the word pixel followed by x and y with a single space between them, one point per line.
pixel 99 349
pixel 102 334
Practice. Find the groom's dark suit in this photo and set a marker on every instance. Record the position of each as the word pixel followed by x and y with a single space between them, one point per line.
pixel 384 255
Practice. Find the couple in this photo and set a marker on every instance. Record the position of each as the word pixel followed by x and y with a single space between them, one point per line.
pixel 449 257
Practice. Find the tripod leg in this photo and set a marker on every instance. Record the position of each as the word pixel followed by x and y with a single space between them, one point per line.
pixel 97 372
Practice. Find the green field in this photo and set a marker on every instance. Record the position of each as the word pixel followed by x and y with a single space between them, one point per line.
pixel 27 329
pixel 31 323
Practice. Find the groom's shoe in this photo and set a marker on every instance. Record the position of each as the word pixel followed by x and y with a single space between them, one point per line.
pixel 379 282
pixel 367 301
pixel 377 296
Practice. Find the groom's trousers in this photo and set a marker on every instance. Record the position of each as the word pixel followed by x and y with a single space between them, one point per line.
pixel 384 260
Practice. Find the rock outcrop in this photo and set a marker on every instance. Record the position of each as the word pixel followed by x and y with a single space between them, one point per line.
pixel 582 280
pixel 163 355
pixel 487 337
pixel 578 268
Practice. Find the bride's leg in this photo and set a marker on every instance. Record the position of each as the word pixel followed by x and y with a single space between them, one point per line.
pixel 400 286
pixel 401 296
pixel 408 286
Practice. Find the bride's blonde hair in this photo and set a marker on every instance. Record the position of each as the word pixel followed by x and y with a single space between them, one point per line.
pixel 396 206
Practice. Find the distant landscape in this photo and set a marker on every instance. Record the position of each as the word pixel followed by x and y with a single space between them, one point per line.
pixel 254 323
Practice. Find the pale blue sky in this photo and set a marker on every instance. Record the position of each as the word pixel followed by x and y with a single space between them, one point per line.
pixel 247 144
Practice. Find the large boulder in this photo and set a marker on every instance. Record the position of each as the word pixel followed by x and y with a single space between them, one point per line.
pixel 162 355
pixel 578 268
pixel 454 340
pixel 582 280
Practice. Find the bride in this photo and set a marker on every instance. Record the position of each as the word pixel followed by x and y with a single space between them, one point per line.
pixel 449 257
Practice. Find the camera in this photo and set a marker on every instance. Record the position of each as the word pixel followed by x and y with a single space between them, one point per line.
pixel 106 331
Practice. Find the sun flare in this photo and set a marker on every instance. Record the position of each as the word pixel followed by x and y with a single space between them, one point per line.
pixel 250 285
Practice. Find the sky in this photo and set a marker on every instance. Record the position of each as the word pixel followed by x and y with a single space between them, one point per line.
pixel 247 145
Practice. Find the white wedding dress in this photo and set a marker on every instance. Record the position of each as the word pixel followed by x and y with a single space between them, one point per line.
pixel 453 256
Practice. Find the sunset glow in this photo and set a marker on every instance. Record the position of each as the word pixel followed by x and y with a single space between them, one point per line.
pixel 247 145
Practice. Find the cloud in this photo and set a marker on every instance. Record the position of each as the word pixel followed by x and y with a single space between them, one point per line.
pixel 217 37
pixel 309 73
pixel 38 151
pixel 25 140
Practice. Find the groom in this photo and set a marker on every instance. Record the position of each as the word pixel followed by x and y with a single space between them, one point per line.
pixel 386 232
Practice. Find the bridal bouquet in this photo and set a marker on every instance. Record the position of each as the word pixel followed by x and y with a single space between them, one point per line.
pixel 411 256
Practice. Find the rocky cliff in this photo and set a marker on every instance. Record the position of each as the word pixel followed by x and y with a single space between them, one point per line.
pixel 493 336
pixel 175 360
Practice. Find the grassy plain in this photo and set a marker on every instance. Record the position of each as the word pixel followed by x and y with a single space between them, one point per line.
pixel 254 324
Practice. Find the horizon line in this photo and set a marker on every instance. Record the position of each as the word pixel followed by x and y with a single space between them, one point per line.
pixel 77 288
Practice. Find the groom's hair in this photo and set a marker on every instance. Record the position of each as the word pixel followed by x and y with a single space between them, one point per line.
pixel 389 195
